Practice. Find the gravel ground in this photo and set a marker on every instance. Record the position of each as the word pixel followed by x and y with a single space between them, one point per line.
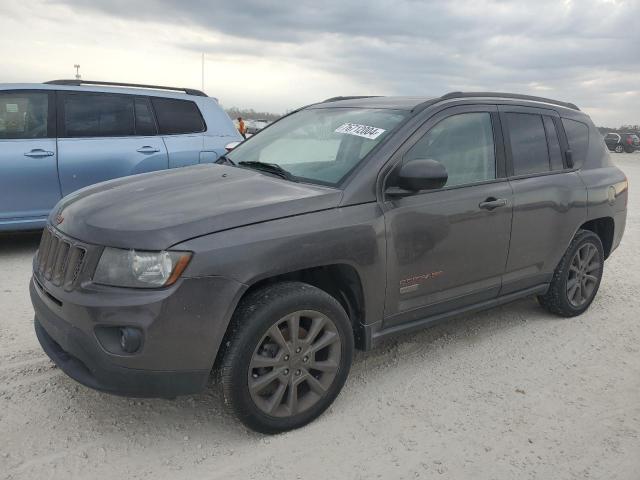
pixel 509 393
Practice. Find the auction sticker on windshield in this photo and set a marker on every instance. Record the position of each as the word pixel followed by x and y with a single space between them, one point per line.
pixel 360 130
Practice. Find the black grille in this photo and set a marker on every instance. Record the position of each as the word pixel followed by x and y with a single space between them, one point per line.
pixel 59 261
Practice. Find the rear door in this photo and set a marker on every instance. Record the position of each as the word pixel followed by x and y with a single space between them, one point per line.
pixel 549 199
pixel 29 185
pixel 104 136
pixel 181 125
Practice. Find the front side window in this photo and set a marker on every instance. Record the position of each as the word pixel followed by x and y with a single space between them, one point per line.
pixel 98 115
pixel 319 145
pixel 464 144
pixel 23 115
pixel 528 143
pixel 177 116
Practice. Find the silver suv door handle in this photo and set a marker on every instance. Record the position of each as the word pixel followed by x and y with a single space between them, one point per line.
pixel 38 152
pixel 147 149
pixel 492 203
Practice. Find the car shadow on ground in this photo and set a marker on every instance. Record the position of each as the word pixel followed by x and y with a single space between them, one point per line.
pixel 22 242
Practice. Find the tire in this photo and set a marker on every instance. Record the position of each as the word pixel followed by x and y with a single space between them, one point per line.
pixel 570 292
pixel 264 364
pixel 618 149
pixel 629 149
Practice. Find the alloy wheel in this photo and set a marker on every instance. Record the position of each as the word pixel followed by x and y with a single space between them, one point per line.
pixel 294 364
pixel 584 275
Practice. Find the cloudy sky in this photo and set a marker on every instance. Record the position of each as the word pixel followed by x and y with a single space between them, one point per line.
pixel 277 55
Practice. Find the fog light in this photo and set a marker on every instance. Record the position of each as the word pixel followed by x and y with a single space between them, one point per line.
pixel 130 339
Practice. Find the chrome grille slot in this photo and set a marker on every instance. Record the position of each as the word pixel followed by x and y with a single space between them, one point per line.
pixel 59 260
pixel 43 251
pixel 51 257
pixel 76 260
pixel 60 263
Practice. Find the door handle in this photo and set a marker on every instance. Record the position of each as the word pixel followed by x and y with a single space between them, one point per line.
pixel 147 149
pixel 38 152
pixel 492 203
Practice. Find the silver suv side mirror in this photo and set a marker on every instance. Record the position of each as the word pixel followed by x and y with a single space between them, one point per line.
pixel 230 146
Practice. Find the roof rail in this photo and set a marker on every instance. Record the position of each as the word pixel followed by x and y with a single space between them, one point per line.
pixel 77 83
pixel 508 95
pixel 353 97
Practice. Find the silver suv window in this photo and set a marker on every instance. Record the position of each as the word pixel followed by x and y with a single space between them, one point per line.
pixel 23 115
pixel 98 115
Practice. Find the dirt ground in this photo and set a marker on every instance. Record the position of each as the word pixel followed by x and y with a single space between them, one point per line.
pixel 512 393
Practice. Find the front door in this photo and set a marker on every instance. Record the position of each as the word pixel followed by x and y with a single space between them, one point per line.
pixel 105 136
pixel 29 185
pixel 447 248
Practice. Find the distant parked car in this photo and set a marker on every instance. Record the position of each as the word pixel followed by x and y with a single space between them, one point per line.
pixel 254 126
pixel 60 136
pixel 622 142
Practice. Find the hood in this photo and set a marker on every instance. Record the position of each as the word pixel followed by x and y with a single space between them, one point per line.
pixel 156 210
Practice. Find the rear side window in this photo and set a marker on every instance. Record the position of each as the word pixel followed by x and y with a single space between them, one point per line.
pixel 528 143
pixel 555 154
pixel 98 115
pixel 578 138
pixel 145 123
pixel 23 115
pixel 177 116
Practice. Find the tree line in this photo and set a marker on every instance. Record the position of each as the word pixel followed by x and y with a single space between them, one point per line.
pixel 251 114
pixel 622 129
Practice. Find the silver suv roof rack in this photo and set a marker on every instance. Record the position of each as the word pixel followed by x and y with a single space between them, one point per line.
pixel 77 83
pixel 352 97
pixel 508 95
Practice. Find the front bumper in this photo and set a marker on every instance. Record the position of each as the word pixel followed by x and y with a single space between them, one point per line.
pixel 182 326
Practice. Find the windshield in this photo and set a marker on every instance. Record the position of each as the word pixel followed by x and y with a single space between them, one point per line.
pixel 319 145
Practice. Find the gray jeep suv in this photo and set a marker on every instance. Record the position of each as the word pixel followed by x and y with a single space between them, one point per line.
pixel 341 224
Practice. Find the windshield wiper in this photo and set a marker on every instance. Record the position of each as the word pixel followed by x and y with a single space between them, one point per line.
pixel 273 168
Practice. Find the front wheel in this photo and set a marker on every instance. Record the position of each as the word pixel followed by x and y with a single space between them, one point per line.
pixel 577 277
pixel 289 355
pixel 619 149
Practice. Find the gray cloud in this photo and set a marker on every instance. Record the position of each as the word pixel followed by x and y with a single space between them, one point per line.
pixel 584 51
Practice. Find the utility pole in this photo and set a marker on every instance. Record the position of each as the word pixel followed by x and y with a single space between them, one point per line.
pixel 77 67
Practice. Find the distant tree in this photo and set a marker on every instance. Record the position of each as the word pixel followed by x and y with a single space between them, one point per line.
pixel 621 129
pixel 251 114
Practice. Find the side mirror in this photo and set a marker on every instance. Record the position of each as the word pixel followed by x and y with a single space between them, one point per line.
pixel 230 146
pixel 419 175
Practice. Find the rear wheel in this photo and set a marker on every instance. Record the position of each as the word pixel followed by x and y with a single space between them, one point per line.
pixel 289 355
pixel 577 277
pixel 619 149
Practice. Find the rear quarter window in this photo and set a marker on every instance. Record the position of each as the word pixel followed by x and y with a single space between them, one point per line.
pixel 578 138
pixel 177 116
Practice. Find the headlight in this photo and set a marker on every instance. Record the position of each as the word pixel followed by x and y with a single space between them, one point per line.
pixel 133 268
